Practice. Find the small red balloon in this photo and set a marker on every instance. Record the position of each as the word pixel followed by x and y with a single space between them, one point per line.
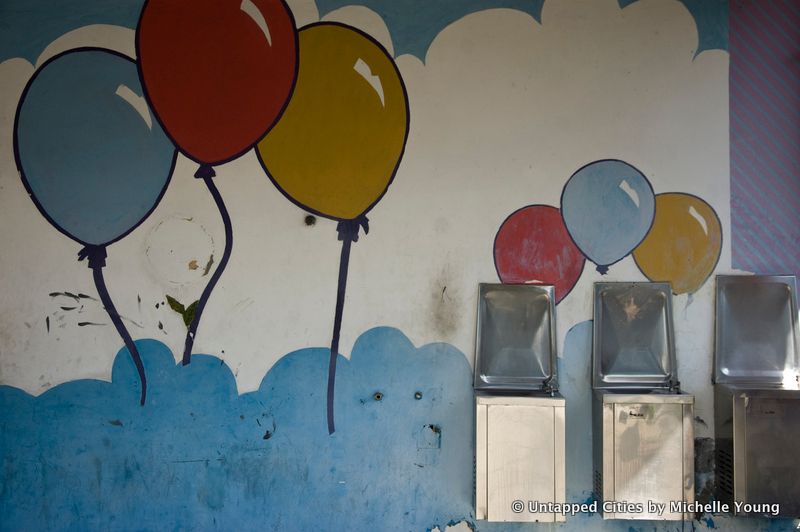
pixel 533 246
pixel 218 73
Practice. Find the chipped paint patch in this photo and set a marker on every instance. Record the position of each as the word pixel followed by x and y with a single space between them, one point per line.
pixel 176 250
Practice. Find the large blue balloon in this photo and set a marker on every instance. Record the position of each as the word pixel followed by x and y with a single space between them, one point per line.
pixel 91 153
pixel 608 207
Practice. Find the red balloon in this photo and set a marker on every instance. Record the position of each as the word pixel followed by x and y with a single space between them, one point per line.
pixel 217 73
pixel 533 246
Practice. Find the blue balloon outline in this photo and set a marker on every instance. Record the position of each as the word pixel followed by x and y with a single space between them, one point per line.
pixel 18 159
pixel 603 268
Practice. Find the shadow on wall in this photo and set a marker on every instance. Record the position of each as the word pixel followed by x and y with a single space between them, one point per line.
pixel 85 455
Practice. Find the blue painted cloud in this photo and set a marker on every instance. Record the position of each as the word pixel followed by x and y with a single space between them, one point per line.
pixel 84 455
pixel 27 26
pixel 198 456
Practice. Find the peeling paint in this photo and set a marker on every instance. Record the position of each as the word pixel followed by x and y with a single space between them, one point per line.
pixel 208 265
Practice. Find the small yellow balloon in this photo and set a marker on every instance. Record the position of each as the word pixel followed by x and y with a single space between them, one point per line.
pixel 337 146
pixel 684 244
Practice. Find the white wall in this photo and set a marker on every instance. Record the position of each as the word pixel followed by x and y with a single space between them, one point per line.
pixel 503 111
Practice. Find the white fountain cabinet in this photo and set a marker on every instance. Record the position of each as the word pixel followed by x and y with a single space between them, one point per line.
pixel 519 456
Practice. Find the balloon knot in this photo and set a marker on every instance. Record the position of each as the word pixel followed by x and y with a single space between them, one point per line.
pixel 205 171
pixel 602 269
pixel 348 229
pixel 96 255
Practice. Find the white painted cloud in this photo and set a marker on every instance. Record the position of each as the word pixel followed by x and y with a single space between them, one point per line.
pixel 366 20
pixel 503 111
pixel 107 36
pixel 304 11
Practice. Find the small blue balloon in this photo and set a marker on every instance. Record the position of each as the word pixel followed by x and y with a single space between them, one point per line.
pixel 91 153
pixel 608 207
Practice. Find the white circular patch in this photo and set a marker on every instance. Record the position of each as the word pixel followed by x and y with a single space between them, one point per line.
pixel 180 251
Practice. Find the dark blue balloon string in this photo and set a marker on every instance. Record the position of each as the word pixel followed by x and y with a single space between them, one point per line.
pixel 206 173
pixel 348 233
pixel 97 261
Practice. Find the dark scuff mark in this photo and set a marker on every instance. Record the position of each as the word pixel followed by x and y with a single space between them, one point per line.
pixel 115 422
pixel 139 302
pixel 85 323
pixel 68 308
pixel 429 437
pixel 269 433
pixel 444 303
pixel 76 297
pixel 64 294
pixel 47 323
pixel 160 326
pixel 132 322
pixel 704 470
pixel 208 265
pixel 701 421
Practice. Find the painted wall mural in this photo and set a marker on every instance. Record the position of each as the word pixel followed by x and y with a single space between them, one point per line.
pixel 609 211
pixel 218 76
pixel 337 148
pixel 684 243
pixel 199 456
pixel 533 245
pixel 92 158
pixel 608 208
pixel 566 114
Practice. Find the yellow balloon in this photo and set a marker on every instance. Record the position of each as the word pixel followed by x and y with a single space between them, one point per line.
pixel 684 244
pixel 337 146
